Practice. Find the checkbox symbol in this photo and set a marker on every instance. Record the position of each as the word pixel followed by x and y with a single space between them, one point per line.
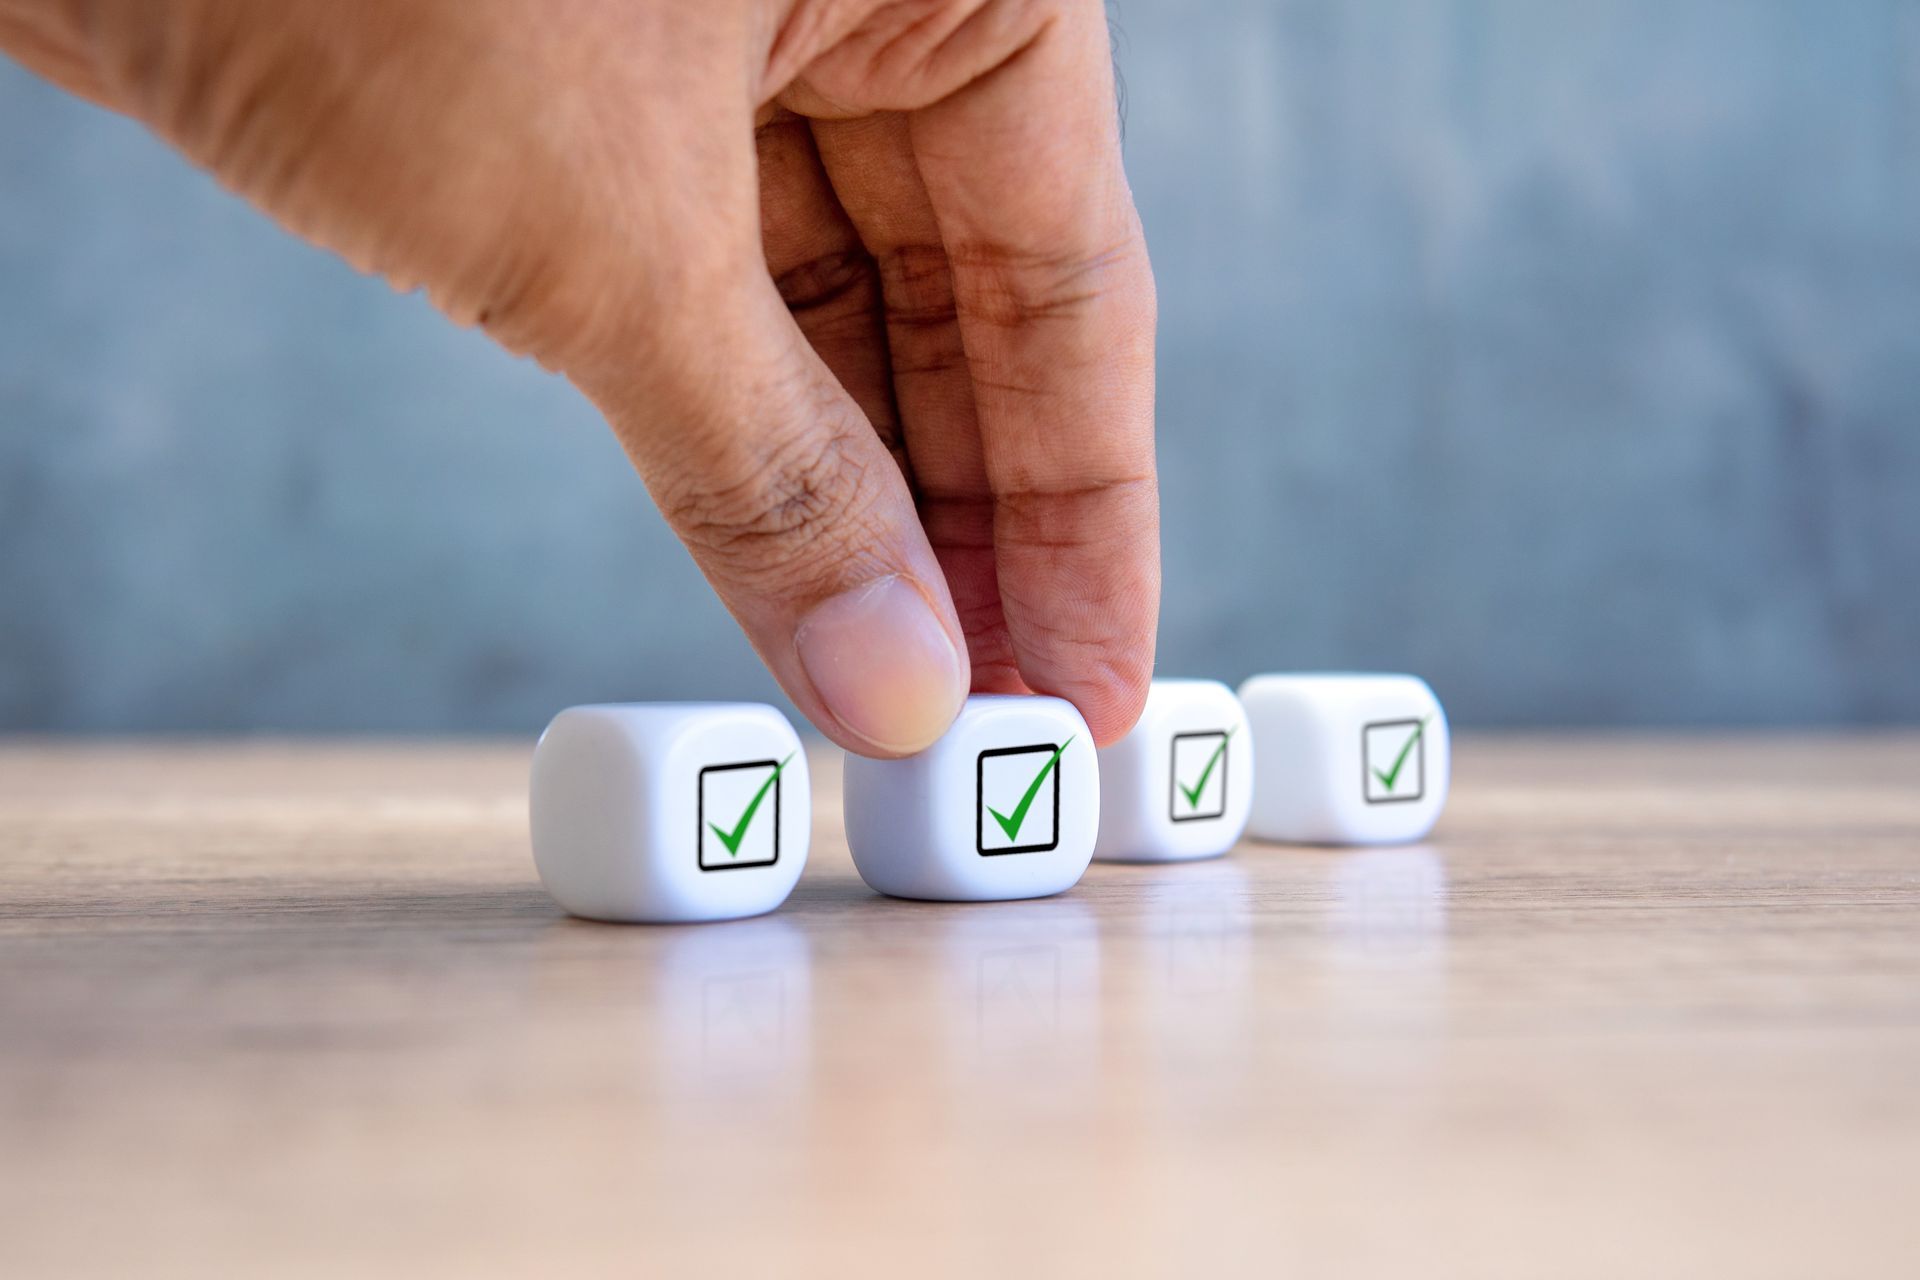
pixel 1017 798
pixel 1393 758
pixel 1199 769
pixel 739 814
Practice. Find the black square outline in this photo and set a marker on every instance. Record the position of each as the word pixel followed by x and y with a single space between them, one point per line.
pixel 980 800
pixel 1173 778
pixel 1366 791
pixel 700 815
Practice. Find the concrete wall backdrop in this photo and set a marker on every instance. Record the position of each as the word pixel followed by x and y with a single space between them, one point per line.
pixel 1566 353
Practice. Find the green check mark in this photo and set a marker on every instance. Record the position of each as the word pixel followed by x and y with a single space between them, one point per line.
pixel 1391 776
pixel 732 839
pixel 1193 793
pixel 1012 825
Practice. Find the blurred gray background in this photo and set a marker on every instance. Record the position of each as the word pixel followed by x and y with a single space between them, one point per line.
pixel 1565 353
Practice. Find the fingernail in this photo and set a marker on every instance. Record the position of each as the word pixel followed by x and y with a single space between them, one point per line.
pixel 883 664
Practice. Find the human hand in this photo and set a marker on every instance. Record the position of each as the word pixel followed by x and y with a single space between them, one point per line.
pixel 859 285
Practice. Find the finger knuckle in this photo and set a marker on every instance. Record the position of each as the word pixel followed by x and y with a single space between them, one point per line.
pixel 917 280
pixel 1011 288
pixel 902 55
pixel 1088 509
pixel 833 294
pixel 772 521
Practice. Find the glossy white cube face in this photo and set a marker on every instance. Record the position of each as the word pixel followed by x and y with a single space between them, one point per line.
pixel 1180 785
pixel 1346 759
pixel 1005 805
pixel 669 812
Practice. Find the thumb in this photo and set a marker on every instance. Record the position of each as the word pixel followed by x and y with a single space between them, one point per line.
pixel 798 515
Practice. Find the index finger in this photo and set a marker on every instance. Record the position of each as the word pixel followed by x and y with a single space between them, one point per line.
pixel 1056 308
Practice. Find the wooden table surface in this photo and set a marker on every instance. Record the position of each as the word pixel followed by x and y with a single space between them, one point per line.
pixel 1643 1007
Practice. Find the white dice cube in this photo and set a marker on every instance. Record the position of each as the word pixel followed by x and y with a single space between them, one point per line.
pixel 1346 759
pixel 1180 785
pixel 670 812
pixel 1005 805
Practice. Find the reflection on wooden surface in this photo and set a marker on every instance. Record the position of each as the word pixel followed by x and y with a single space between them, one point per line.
pixel 1640 1006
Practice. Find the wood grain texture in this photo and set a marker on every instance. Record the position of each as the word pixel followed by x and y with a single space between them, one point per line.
pixel 1643 1007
